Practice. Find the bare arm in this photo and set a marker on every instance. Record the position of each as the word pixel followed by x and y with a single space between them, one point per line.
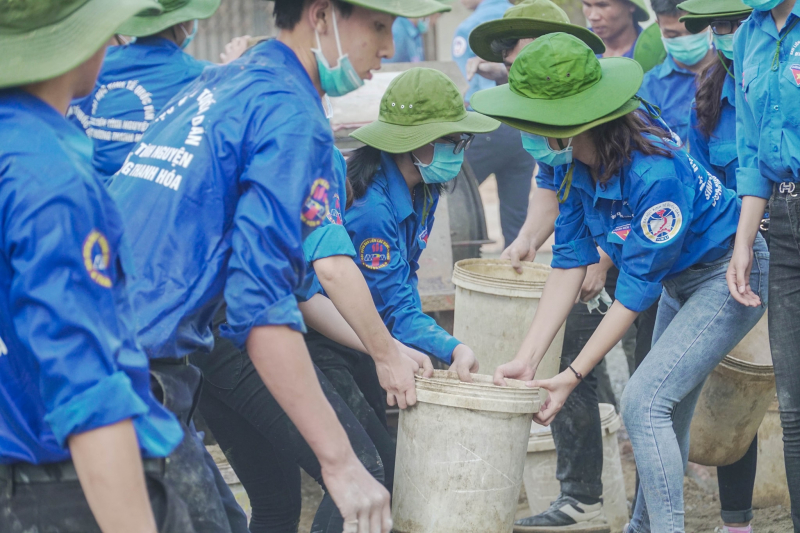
pixel 539 225
pixel 109 466
pixel 738 275
pixel 281 359
pixel 595 277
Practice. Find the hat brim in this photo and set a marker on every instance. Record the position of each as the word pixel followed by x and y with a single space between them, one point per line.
pixel 398 139
pixel 621 79
pixel 565 132
pixel 47 52
pixel 482 37
pixel 143 26
pixel 697 23
pixel 649 49
pixel 403 8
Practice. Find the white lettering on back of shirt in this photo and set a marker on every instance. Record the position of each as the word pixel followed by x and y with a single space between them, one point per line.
pixel 3 348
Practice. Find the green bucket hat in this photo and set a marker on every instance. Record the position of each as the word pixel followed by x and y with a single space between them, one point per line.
pixel 174 12
pixel 641 14
pixel 700 13
pixel 649 50
pixel 42 39
pixel 557 81
pixel 404 8
pixel 419 106
pixel 528 20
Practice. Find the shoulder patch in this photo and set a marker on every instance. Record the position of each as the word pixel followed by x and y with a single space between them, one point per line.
pixel 96 258
pixel 459 46
pixel 316 206
pixel 335 211
pixel 662 222
pixel 375 253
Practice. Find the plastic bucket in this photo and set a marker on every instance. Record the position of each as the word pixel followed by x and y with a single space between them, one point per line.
pixel 541 484
pixel 771 488
pixel 460 455
pixel 734 401
pixel 494 310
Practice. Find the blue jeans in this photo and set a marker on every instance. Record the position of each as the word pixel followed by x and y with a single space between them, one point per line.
pixel 698 323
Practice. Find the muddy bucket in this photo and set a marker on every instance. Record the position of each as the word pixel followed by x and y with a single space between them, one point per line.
pixel 733 402
pixel 541 484
pixel 494 309
pixel 460 454
pixel 771 488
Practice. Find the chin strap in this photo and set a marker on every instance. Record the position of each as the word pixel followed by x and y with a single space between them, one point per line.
pixel 722 60
pixel 776 59
pixel 566 185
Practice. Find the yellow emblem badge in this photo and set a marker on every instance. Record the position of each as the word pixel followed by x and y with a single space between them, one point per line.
pixel 96 258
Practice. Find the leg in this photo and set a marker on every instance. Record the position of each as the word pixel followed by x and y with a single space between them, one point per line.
pixel 784 336
pixel 736 483
pixel 236 517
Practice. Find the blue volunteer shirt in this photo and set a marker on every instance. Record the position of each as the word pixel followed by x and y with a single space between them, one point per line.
pixel 229 190
pixel 136 82
pixel 657 217
pixel 717 152
pixel 767 103
pixel 487 10
pixel 671 88
pixel 69 362
pixel 408 43
pixel 390 230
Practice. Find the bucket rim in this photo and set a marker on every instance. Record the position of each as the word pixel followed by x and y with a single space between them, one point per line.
pixel 445 388
pixel 466 278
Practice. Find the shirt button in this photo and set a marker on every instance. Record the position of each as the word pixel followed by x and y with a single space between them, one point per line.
pixel 774 148
pixel 775 108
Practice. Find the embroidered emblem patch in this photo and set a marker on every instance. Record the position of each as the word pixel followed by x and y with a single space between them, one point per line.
pixel 375 253
pixel 796 74
pixel 459 46
pixel 96 258
pixel 619 234
pixel 423 236
pixel 662 222
pixel 335 211
pixel 316 207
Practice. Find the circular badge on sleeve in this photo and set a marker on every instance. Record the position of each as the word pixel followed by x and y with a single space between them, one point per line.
pixel 375 253
pixel 662 222
pixel 459 46
pixel 96 258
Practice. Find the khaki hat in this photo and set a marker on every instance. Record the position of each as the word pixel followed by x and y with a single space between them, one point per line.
pixel 700 13
pixel 420 106
pixel 174 12
pixel 528 20
pixel 42 39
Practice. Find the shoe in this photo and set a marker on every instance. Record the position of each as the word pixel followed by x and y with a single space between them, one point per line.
pixel 566 514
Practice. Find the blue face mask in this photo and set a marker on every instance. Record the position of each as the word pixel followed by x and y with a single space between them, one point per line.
pixel 423 25
pixel 189 36
pixel 689 49
pixel 444 166
pixel 762 5
pixel 341 79
pixel 724 43
pixel 540 150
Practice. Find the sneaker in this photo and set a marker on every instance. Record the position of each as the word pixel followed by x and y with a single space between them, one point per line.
pixel 566 514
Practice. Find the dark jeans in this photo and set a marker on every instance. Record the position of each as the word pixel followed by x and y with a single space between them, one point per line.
pixel 736 482
pixel 264 447
pixel 190 469
pixel 352 373
pixel 61 507
pixel 501 153
pixel 784 334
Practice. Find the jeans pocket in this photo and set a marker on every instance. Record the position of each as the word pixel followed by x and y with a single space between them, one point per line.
pixel 761 270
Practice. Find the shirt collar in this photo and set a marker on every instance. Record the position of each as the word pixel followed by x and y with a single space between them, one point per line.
pixel 763 19
pixel 399 195
pixel 273 51
pixel 156 42
pixel 669 66
pixel 729 90
pixel 582 179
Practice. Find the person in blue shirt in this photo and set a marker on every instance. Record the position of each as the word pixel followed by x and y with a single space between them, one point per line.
pixel 414 148
pixel 408 40
pixel 765 63
pixel 82 437
pixel 213 217
pixel 671 85
pixel 665 222
pixel 138 79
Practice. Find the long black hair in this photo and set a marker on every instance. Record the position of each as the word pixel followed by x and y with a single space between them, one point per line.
pixel 708 102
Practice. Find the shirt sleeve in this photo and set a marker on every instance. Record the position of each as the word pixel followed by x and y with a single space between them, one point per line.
pixel 663 208
pixel 461 51
pixel 64 308
pixel 387 273
pixel 574 245
pixel 545 177
pixel 749 181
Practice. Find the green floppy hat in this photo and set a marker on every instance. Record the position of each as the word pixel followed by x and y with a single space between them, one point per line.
pixel 42 39
pixel 528 20
pixel 419 106
pixel 641 14
pixel 649 50
pixel 175 12
pixel 403 8
pixel 557 81
pixel 700 13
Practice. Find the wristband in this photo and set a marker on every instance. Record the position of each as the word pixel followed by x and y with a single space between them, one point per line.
pixel 577 374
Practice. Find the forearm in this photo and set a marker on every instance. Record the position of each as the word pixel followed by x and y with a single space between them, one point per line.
pixel 559 295
pixel 605 261
pixel 321 315
pixel 753 209
pixel 281 359
pixel 540 220
pixel 109 466
pixel 347 289
pixel 611 329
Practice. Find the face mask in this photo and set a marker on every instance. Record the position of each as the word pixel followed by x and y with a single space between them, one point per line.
pixel 444 166
pixel 423 25
pixel 540 150
pixel 189 36
pixel 762 5
pixel 689 49
pixel 341 79
pixel 724 43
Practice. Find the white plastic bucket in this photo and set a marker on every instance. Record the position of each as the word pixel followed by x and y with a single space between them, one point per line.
pixel 460 455
pixel 541 484
pixel 734 401
pixel 494 310
pixel 771 488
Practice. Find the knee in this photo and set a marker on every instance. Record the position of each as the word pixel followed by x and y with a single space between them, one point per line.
pixel 632 405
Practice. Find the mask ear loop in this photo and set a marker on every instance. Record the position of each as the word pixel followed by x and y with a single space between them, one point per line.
pixel 335 33
pixel 566 185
